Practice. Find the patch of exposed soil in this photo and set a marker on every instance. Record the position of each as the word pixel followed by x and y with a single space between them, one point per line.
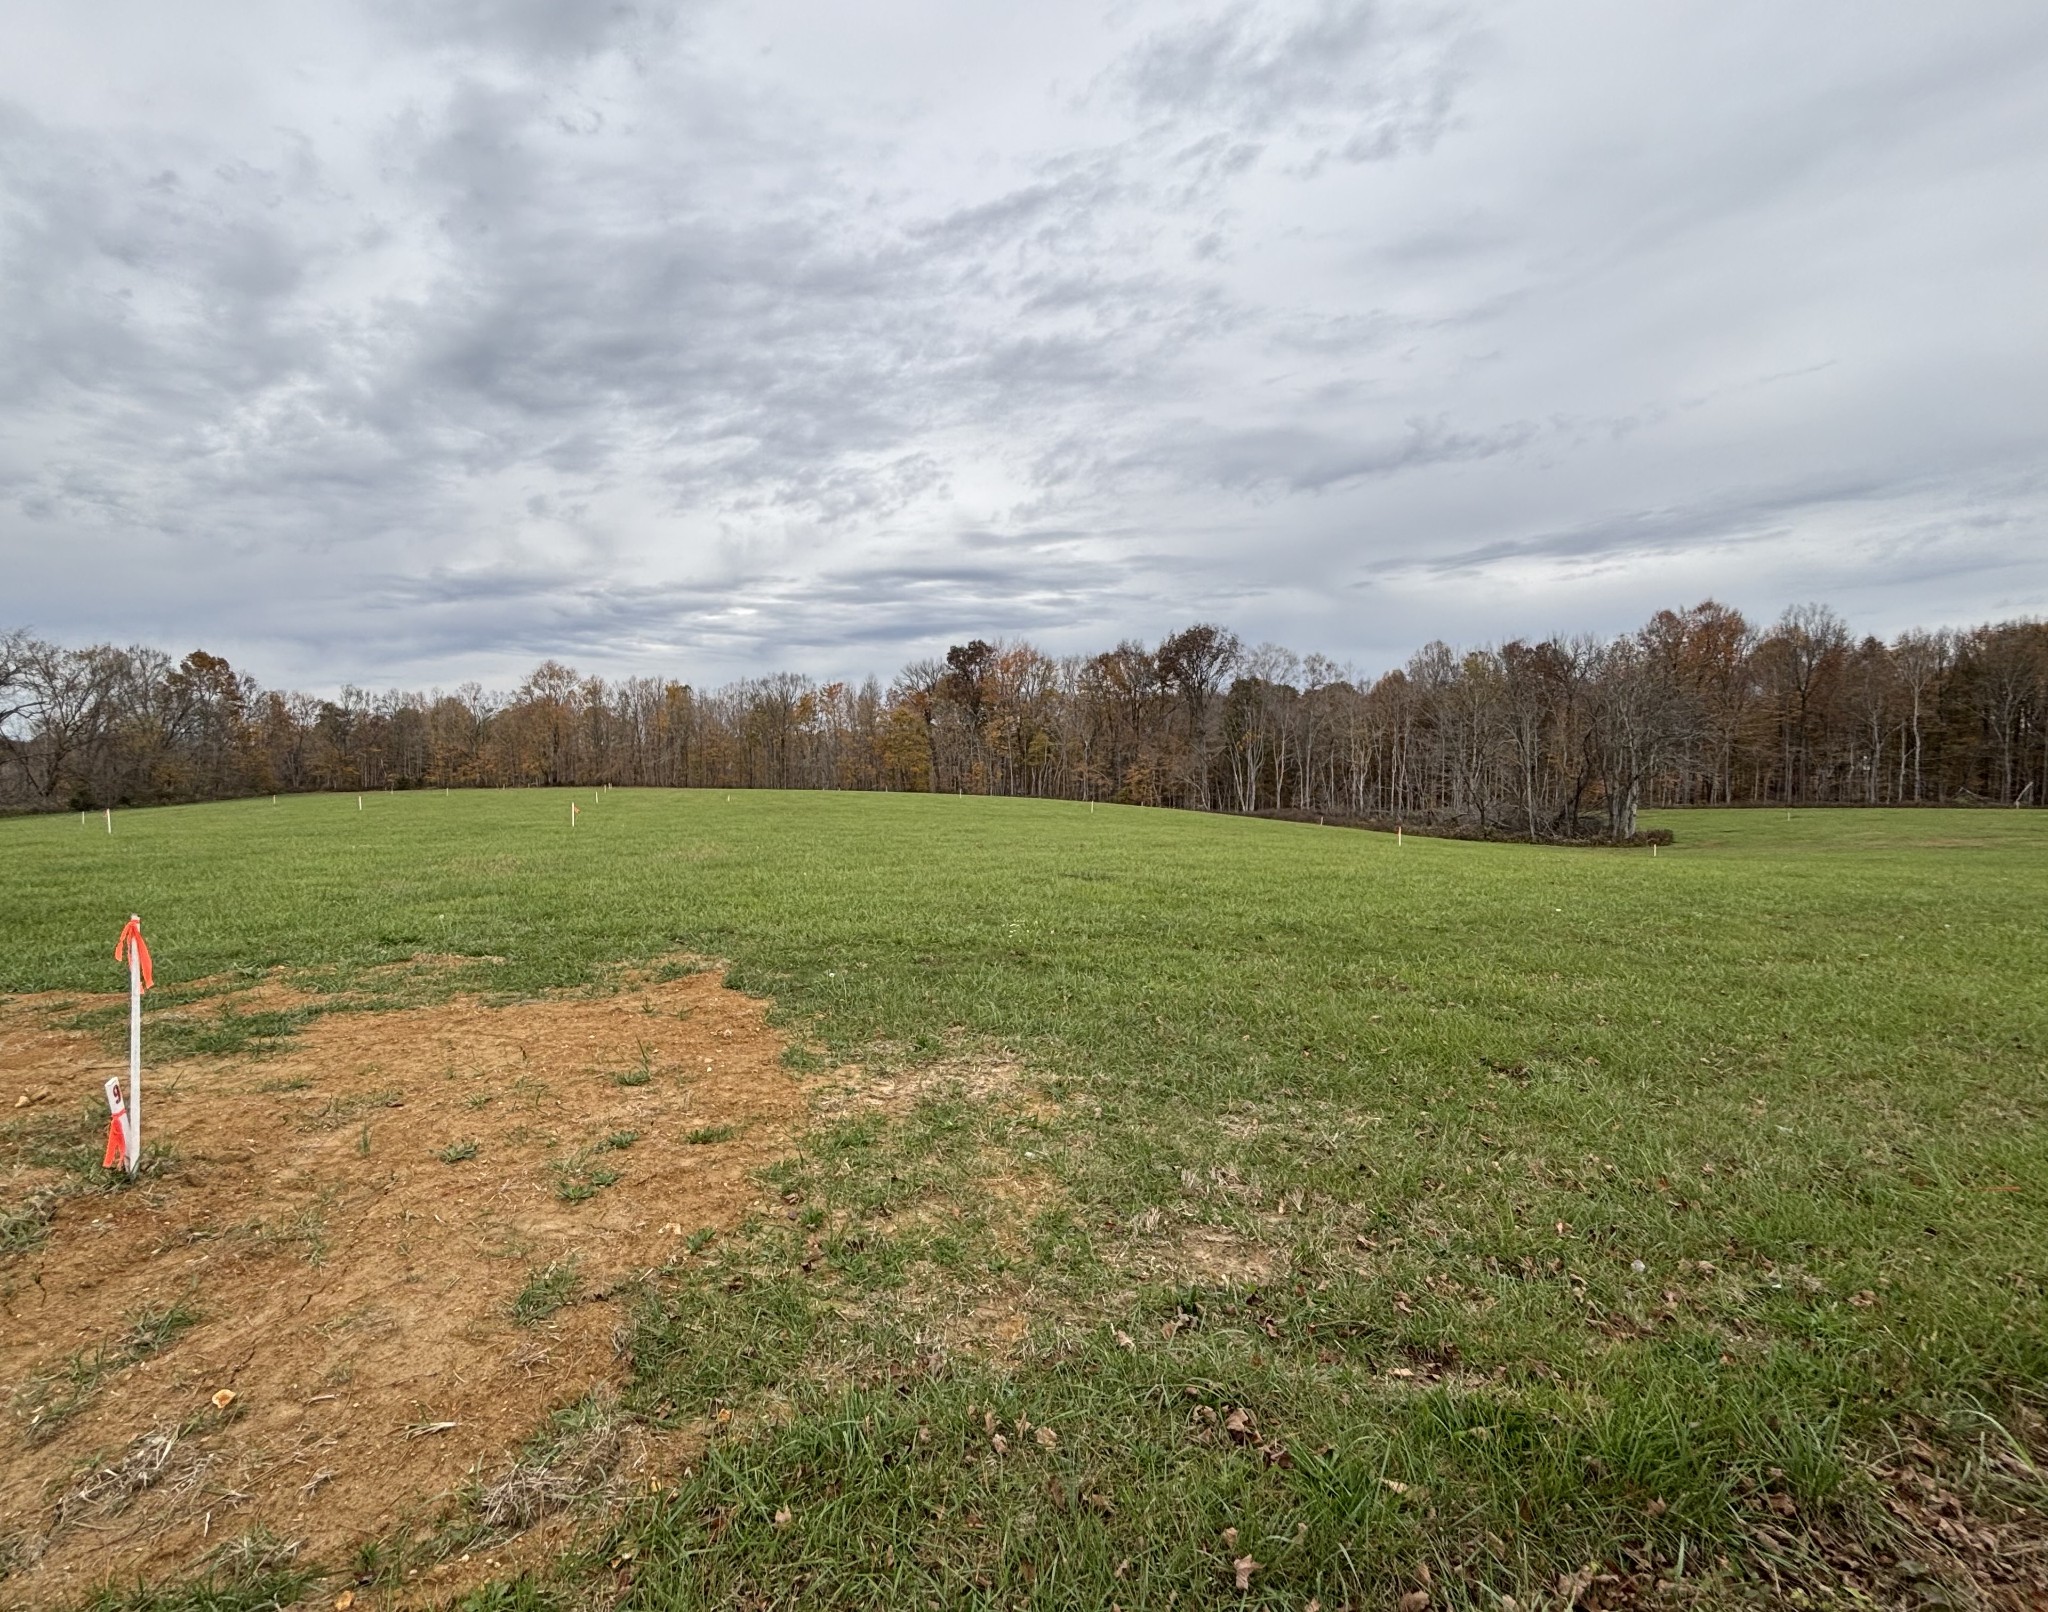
pixel 894 1085
pixel 352 1222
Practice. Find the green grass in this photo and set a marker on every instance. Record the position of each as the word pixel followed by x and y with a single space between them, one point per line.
pixel 263 1592
pixel 547 1290
pixel 44 1403
pixel 1526 1208
pixel 24 1227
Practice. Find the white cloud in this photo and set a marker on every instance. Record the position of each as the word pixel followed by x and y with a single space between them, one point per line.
pixel 390 343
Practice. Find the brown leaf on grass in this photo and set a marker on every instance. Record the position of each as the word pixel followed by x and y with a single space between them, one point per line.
pixel 1000 1444
pixel 1240 1424
pixel 1047 1439
pixel 1414 1601
pixel 1244 1567
pixel 782 1517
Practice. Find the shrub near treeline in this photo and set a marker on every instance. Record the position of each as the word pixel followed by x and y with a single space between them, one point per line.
pixel 1560 739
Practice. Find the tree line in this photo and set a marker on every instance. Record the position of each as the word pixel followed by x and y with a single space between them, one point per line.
pixel 1562 739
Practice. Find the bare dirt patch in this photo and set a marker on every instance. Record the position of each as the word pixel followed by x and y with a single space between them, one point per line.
pixel 375 1262
pixel 893 1081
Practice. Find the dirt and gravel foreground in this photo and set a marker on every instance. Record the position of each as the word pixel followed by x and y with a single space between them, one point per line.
pixel 368 1269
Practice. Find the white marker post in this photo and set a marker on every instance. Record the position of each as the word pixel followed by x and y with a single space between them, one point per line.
pixel 132 947
pixel 135 1049
pixel 110 819
pixel 572 814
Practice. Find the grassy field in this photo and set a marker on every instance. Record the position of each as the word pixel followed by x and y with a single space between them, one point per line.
pixel 1482 1220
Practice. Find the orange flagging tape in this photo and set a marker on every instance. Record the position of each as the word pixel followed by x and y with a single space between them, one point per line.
pixel 117 1129
pixel 132 936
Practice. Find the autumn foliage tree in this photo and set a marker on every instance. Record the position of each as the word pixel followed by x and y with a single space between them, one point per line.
pixel 1557 739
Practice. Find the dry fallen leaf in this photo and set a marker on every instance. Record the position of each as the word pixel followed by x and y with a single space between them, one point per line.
pixel 1047 1438
pixel 1395 1484
pixel 1123 1340
pixel 1414 1601
pixel 345 1600
pixel 782 1517
pixel 1230 1538
pixel 1244 1567
pixel 223 1399
pixel 1000 1444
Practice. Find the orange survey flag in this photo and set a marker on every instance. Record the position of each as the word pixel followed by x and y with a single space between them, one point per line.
pixel 132 936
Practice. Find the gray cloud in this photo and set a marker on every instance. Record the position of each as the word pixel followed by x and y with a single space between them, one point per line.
pixel 425 341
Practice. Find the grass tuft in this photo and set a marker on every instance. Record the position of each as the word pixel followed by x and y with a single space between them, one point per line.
pixel 547 1290
pixel 45 1402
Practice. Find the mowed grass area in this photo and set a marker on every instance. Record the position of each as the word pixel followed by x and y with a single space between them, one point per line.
pixel 1442 1216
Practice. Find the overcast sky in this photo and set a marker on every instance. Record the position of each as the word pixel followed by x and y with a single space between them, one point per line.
pixel 405 342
